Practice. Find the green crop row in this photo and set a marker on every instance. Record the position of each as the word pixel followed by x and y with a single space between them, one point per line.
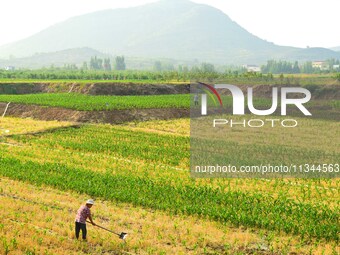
pixel 87 81
pixel 174 150
pixel 115 141
pixel 83 102
pixel 240 208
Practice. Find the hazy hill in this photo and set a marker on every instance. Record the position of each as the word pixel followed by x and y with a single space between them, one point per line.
pixel 177 29
pixel 312 54
pixel 336 48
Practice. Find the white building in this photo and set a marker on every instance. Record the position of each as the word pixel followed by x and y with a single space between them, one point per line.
pixel 9 68
pixel 322 65
pixel 252 68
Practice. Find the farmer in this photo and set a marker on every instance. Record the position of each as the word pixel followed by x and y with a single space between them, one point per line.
pixel 196 99
pixel 82 214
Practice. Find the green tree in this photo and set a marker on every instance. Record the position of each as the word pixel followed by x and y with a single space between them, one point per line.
pixel 207 68
pixel 96 63
pixel 157 66
pixel 84 67
pixel 100 64
pixel 307 67
pixel 120 63
pixel 296 68
pixel 107 64
pixel 168 67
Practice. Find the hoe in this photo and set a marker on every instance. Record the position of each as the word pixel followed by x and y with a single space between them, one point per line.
pixel 121 235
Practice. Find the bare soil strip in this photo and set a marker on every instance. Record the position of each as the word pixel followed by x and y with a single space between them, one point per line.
pixel 111 117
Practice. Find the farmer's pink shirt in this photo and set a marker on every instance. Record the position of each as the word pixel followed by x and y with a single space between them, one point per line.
pixel 82 214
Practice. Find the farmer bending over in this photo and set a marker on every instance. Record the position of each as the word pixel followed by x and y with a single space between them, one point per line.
pixel 83 213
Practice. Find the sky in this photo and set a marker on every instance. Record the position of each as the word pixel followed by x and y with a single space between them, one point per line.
pixel 299 23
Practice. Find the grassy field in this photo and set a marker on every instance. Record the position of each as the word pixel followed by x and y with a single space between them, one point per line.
pixel 124 170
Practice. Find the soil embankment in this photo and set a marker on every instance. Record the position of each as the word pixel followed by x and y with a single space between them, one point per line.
pixel 112 117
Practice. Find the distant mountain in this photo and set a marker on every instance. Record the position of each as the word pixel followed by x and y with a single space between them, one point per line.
pixel 177 29
pixel 59 58
pixel 310 54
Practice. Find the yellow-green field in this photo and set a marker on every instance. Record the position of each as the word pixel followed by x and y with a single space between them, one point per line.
pixel 39 218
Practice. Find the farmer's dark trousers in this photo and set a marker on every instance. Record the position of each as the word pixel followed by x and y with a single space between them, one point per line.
pixel 82 227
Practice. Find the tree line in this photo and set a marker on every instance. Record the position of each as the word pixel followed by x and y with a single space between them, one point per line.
pixel 271 67
pixel 105 64
pixel 175 75
pixel 106 69
pixel 278 67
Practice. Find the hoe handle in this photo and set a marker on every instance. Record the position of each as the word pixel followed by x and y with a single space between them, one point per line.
pixel 104 228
